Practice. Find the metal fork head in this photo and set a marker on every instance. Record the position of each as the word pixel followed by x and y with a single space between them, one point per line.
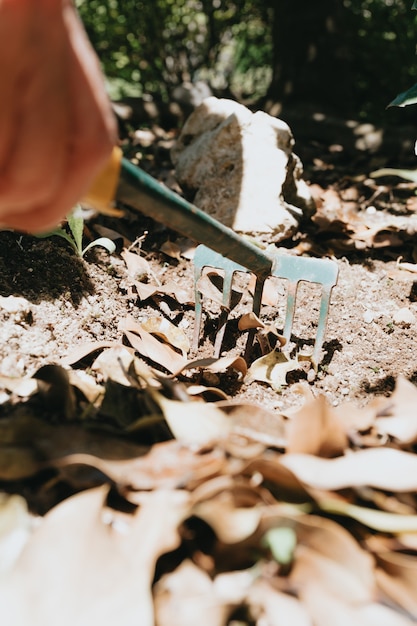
pixel 291 268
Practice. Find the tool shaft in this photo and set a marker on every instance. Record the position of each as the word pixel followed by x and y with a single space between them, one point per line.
pixel 145 194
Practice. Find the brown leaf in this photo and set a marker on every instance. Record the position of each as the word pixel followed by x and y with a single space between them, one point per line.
pixel 171 249
pixel 217 365
pixel 383 468
pixel 315 429
pixel 98 572
pixel 270 293
pixel 167 465
pixel 81 352
pixel 271 606
pixel 148 290
pixel 250 320
pixel 400 420
pixel 150 347
pixel 327 610
pixel 256 423
pixel 187 597
pixel 397 577
pixel 137 266
pixel 16 525
pixel 168 332
pixel 210 285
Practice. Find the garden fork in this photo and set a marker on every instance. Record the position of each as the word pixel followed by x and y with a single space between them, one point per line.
pixel 293 269
pixel 224 249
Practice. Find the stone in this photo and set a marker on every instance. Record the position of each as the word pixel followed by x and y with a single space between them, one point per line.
pixel 240 168
pixel 404 318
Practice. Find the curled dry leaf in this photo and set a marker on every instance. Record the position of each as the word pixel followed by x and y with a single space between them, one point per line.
pixel 112 585
pixel 210 285
pixel 316 429
pixel 397 577
pixel 171 249
pixel 398 416
pixel 270 293
pixel 383 468
pixel 167 465
pixel 16 525
pixel 249 320
pixel 137 266
pixel 272 369
pixel 230 523
pixel 325 609
pixel 256 423
pixel 187 596
pixel 22 387
pixel 207 393
pixel 329 550
pixel 270 605
pixel 168 332
pixel 81 352
pixel 237 363
pixel 85 383
pixel 193 422
pixel 148 346
pixel 114 363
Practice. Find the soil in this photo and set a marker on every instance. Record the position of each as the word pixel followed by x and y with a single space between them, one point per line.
pixel 66 301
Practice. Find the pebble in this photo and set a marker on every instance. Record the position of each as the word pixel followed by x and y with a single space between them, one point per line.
pixel 368 316
pixel 404 318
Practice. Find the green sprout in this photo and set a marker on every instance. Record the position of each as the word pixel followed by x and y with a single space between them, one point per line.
pixel 75 236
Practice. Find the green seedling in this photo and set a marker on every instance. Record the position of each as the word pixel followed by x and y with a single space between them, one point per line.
pixel 75 236
pixel 404 99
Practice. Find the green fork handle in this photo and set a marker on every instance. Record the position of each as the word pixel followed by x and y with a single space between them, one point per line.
pixel 145 194
pixel 123 181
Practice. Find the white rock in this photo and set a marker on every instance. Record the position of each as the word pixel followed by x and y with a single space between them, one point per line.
pixel 242 169
pixel 368 316
pixel 404 318
pixel 14 304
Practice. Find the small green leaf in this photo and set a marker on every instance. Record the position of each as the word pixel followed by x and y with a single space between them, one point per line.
pixel 76 225
pixel 406 97
pixel 410 175
pixel 282 542
pixel 414 5
pixel 104 242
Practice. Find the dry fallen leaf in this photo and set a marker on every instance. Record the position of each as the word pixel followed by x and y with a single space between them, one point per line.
pixel 168 332
pixel 171 249
pixel 16 525
pixel 99 571
pixel 399 419
pixel 315 429
pixel 137 266
pixel 148 346
pixel 383 468
pixel 193 422
pixel 272 369
pixel 397 577
pixel 187 597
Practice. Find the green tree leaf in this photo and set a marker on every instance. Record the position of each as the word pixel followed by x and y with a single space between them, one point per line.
pixel 406 97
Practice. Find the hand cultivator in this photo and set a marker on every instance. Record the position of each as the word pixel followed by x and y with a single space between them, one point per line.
pixel 223 249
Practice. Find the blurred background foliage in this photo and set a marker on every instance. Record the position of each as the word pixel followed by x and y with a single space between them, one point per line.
pixel 348 56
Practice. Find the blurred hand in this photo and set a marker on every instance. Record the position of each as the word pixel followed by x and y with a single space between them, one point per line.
pixel 56 124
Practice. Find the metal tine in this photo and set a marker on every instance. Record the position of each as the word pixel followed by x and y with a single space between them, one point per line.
pixel 293 269
pixel 206 257
pixel 296 269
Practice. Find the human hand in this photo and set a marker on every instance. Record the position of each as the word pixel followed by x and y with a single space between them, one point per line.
pixel 56 124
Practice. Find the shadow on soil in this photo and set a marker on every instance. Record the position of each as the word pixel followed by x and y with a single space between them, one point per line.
pixel 41 269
